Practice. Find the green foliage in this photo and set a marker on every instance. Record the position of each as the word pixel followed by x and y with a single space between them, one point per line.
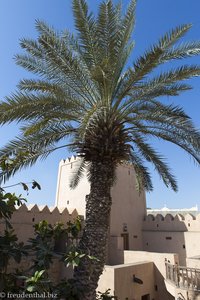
pixel 10 249
pixel 105 296
pixel 36 283
pixel 8 203
pixel 44 248
pixel 73 258
pixel 74 228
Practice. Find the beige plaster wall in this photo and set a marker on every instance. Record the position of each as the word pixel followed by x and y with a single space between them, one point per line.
pixel 107 280
pixel 24 218
pixel 193 262
pixel 119 279
pixel 170 223
pixel 179 234
pixel 192 242
pixel 159 274
pixel 128 208
pixel 160 242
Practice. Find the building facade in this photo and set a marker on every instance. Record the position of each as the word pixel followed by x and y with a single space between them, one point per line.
pixel 138 236
pixel 152 256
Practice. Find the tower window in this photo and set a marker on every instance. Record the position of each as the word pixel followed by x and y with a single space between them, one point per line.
pixel 67 201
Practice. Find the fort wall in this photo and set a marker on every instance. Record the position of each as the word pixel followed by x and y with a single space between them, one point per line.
pixel 173 234
pixel 128 206
pixel 23 220
pixel 65 196
pixel 26 216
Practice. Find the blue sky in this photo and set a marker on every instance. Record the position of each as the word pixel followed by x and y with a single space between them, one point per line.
pixel 153 19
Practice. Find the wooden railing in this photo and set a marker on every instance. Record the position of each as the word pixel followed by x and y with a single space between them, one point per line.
pixel 183 277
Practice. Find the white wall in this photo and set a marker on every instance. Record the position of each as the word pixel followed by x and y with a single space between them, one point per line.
pixel 67 197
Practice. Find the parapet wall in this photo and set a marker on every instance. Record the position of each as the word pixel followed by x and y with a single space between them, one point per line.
pixel 26 216
pixel 169 222
pixel 23 221
pixel 69 160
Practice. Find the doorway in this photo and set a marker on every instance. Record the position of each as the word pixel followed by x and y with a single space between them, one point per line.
pixel 126 241
pixel 146 297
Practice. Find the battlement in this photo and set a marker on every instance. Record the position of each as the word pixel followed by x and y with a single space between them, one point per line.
pixel 169 222
pixel 45 210
pixel 26 216
pixel 69 160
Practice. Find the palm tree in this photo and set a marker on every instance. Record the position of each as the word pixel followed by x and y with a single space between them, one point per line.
pixel 90 101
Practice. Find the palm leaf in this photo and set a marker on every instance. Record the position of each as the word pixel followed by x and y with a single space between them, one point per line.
pixel 78 173
pixel 86 27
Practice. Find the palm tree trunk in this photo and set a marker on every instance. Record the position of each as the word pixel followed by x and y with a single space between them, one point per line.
pixel 95 235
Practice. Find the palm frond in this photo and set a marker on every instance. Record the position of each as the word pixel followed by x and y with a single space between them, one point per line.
pixel 187 140
pixel 114 42
pixel 108 27
pixel 173 76
pixel 46 137
pixel 156 159
pixel 181 51
pixel 171 37
pixel 150 60
pixel 32 85
pixel 143 178
pixel 26 106
pixel 78 173
pixel 32 47
pixel 25 159
pixel 61 60
pixel 152 92
pixel 128 22
pixel 86 26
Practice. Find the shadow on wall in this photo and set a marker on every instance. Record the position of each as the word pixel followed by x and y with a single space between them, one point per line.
pixel 169 234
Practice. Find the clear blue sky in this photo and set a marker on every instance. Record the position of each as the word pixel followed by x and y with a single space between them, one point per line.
pixel 153 18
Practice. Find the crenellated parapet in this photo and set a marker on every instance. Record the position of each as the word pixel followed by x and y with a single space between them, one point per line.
pixel 26 216
pixel 25 213
pixel 69 160
pixel 169 222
